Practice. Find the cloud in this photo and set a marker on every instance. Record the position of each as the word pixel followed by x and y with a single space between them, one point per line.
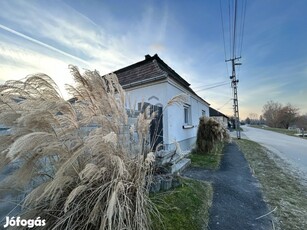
pixel 41 36
pixel 16 63
pixel 41 43
pixel 75 35
pixel 62 26
pixel 37 38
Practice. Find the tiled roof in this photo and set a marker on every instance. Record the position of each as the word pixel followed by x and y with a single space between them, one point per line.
pixel 215 113
pixel 138 72
pixel 153 68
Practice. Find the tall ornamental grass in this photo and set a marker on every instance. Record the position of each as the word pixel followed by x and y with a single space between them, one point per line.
pixel 77 176
pixel 210 132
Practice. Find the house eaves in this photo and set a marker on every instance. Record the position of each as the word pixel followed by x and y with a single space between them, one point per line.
pixel 215 113
pixel 152 69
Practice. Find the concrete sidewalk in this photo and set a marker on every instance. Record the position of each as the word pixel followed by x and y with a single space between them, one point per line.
pixel 237 199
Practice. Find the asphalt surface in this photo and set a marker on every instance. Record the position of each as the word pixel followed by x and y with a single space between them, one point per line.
pixel 237 199
pixel 292 150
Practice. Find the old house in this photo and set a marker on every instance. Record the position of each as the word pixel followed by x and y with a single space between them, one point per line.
pixel 220 117
pixel 154 82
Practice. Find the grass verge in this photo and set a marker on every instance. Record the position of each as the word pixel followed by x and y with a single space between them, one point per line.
pixel 278 130
pixel 208 160
pixel 281 188
pixel 186 207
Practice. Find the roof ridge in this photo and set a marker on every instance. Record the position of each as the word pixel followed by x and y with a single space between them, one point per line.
pixel 134 73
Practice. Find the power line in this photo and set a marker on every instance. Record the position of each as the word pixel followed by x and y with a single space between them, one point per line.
pixel 211 87
pixel 235 11
pixel 223 30
pixel 235 42
pixel 224 104
pixel 236 25
pixel 225 53
pixel 230 28
pixel 234 29
pixel 243 23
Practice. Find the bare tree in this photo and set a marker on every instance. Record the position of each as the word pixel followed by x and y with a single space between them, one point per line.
pixel 279 116
pixel 270 113
pixel 287 116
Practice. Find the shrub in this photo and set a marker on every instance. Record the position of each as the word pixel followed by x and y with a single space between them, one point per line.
pixel 208 134
pixel 78 177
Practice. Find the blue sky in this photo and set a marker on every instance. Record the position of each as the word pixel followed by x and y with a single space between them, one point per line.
pixel 46 36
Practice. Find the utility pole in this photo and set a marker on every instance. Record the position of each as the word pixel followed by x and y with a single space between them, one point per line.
pixel 233 77
pixel 234 83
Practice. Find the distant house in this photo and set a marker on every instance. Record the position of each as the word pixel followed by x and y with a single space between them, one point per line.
pixel 220 117
pixel 155 83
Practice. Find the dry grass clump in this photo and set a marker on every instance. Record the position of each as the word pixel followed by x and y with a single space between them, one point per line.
pixel 78 177
pixel 209 133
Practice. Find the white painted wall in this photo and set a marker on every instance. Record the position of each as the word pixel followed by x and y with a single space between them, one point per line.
pixel 154 94
pixel 160 93
pixel 175 115
pixel 222 120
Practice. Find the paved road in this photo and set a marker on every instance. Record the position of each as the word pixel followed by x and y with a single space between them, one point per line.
pixel 292 150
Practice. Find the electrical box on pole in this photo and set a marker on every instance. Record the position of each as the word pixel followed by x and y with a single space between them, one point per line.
pixel 234 83
pixel 236 28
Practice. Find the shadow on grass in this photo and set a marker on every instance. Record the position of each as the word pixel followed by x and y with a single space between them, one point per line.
pixel 209 160
pixel 186 207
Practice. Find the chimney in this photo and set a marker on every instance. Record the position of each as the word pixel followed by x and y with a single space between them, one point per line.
pixel 147 56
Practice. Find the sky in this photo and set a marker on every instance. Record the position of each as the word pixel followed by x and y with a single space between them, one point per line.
pixel 46 36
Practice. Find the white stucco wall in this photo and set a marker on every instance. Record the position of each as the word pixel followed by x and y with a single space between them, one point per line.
pixel 222 120
pixel 154 94
pixel 173 117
